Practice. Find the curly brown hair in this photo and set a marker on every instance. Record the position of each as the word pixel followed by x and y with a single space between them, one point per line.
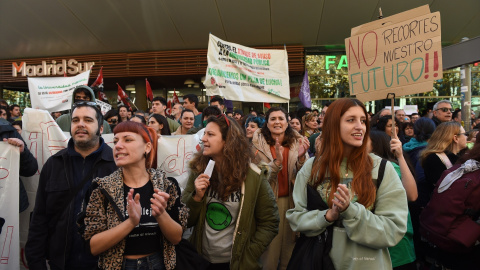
pixel 235 162
pixel 289 139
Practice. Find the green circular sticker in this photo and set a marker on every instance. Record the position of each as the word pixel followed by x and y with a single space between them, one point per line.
pixel 218 216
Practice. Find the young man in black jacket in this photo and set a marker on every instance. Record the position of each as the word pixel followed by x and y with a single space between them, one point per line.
pixel 64 179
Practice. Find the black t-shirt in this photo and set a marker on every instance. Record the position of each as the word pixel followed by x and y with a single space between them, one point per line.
pixel 146 238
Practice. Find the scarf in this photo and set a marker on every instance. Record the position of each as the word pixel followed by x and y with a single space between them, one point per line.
pixel 467 167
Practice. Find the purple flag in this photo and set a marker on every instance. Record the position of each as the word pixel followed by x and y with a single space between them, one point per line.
pixel 228 105
pixel 304 94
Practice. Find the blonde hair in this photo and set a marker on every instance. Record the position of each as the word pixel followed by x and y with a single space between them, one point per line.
pixel 307 118
pixel 442 139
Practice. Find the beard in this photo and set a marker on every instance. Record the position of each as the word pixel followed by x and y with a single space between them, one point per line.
pixel 87 143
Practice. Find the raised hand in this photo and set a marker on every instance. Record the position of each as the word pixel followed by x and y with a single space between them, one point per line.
pixel 342 198
pixel 303 145
pixel 201 184
pixel 159 202
pixel 134 208
pixel 15 142
pixel 396 147
pixel 279 153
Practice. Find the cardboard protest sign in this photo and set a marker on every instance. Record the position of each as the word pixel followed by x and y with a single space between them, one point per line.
pixel 400 54
pixel 9 205
pixel 55 93
pixel 241 73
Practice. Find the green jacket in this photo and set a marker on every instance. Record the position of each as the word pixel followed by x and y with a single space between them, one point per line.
pixel 172 124
pixel 360 237
pixel 257 222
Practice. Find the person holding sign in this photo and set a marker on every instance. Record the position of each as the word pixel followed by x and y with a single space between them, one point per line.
pixel 285 151
pixel 134 216
pixel 233 209
pixel 367 215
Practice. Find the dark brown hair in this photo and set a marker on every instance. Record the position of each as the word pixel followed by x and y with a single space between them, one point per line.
pixel 289 138
pixel 235 162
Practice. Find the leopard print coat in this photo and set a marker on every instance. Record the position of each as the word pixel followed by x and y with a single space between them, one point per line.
pixel 98 220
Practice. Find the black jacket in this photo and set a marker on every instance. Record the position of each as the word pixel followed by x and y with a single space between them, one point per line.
pixel 28 163
pixel 48 235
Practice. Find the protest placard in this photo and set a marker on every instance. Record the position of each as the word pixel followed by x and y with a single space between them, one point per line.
pixel 104 107
pixel 9 205
pixel 241 73
pixel 55 93
pixel 400 54
pixel 409 109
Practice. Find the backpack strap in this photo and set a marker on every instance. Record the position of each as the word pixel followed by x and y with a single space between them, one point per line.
pixel 381 172
pixel 445 160
pixel 112 202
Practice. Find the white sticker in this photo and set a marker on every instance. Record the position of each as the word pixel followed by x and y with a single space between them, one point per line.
pixel 464 89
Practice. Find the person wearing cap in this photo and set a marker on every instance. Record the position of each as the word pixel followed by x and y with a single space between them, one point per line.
pixel 81 93
pixel 64 180
pixel 238 114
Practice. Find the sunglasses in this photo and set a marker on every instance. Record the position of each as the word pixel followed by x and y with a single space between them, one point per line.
pixel 445 110
pixel 83 103
pixel 112 121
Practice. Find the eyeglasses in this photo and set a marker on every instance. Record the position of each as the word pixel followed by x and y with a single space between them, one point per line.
pixel 445 110
pixel 462 134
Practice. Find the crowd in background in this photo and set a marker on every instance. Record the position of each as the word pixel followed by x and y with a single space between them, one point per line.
pixel 265 163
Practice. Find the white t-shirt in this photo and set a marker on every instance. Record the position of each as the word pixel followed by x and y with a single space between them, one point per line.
pixel 220 221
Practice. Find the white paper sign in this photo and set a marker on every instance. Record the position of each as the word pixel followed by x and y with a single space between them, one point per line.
pixel 104 107
pixel 9 205
pixel 54 93
pixel 241 73
pixel 409 109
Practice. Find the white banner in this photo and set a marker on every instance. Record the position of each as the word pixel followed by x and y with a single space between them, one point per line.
pixel 9 217
pixel 174 154
pixel 55 93
pixel 241 73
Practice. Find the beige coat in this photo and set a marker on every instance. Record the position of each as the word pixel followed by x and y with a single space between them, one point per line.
pixel 262 153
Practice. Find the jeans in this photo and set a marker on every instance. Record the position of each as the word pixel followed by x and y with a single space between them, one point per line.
pixel 152 262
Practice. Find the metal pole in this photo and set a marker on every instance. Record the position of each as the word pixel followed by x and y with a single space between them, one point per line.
pixel 465 76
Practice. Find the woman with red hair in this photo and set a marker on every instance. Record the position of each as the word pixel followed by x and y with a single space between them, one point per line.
pixel 366 220
pixel 134 216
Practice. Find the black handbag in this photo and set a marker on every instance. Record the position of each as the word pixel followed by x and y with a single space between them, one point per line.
pixel 188 257
pixel 312 253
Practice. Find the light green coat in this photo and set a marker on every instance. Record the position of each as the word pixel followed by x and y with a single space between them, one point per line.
pixel 361 239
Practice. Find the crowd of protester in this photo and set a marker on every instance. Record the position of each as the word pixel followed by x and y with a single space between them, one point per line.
pixel 372 179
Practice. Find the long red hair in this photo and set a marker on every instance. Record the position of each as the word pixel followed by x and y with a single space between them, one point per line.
pixel 330 156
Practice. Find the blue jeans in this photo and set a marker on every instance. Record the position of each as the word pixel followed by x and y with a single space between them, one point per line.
pixel 152 262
